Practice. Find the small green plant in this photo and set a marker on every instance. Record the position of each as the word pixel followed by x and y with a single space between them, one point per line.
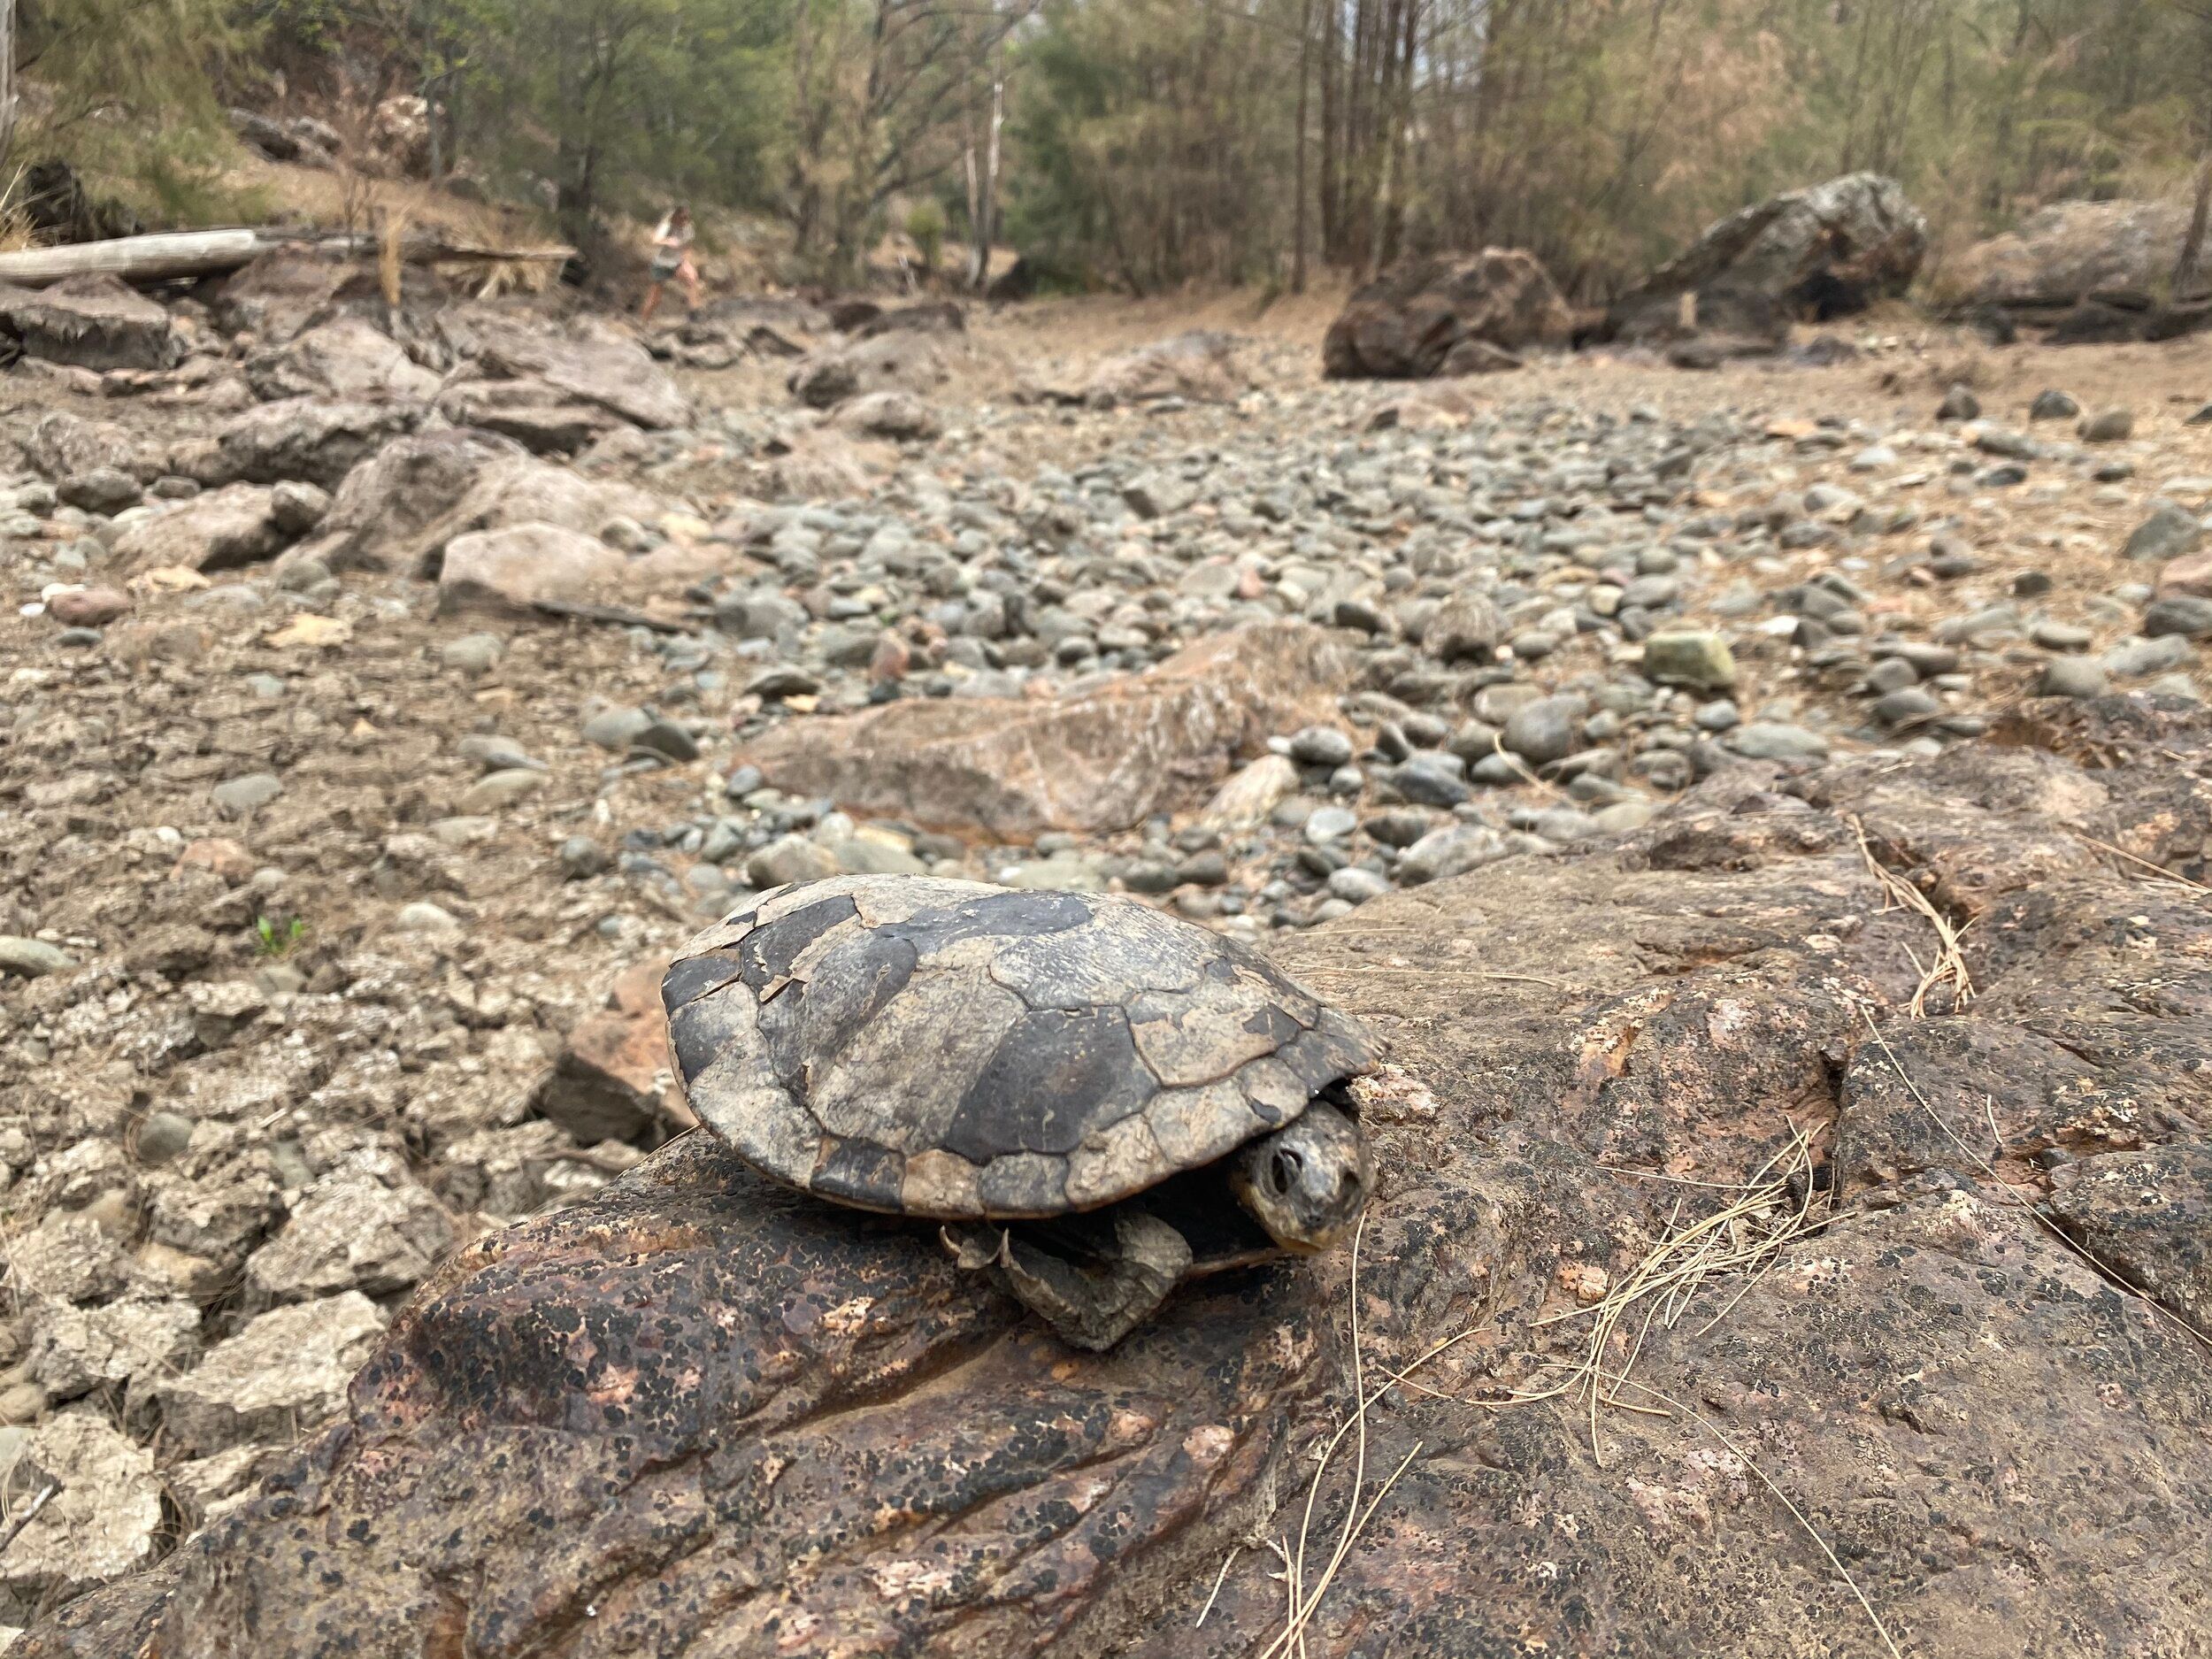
pixel 272 937
pixel 925 224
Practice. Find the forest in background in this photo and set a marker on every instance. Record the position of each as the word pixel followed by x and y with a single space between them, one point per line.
pixel 1149 143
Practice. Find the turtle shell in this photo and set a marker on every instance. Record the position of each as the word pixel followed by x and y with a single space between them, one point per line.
pixel 959 1051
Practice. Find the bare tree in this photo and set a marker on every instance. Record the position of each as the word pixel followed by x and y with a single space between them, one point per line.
pixel 7 76
pixel 2188 264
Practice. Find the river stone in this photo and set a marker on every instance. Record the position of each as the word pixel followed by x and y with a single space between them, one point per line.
pixel 2179 613
pixel 1773 740
pixel 1701 661
pixel 1544 730
pixel 32 958
pixel 242 797
pixel 2168 533
pixel 2072 676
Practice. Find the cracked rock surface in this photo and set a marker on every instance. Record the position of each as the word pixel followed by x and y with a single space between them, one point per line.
pixel 696 1413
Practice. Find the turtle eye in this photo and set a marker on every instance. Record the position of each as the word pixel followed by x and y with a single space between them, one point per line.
pixel 1282 1170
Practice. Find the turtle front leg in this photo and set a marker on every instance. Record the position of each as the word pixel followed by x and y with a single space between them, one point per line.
pixel 1092 1279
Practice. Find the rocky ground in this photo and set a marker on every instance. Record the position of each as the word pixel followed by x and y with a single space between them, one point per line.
pixel 391 690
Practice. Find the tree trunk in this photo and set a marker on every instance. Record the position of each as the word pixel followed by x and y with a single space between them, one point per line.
pixel 1330 231
pixel 2188 269
pixel 987 226
pixel 136 258
pixel 1298 218
pixel 7 76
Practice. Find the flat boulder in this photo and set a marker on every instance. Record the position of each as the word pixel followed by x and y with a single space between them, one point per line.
pixel 218 530
pixel 312 440
pixel 543 418
pixel 586 360
pixel 905 360
pixel 1101 759
pixel 2073 252
pixel 508 570
pixel 93 321
pixel 1446 316
pixel 345 358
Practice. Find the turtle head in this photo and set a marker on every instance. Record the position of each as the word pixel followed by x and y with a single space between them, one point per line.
pixel 1307 1182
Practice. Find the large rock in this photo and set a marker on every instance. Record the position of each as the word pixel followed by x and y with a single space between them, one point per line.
pixel 543 418
pixel 586 359
pixel 346 358
pixel 2073 252
pixel 401 511
pixel 308 439
pixel 91 322
pixel 508 570
pixel 1101 759
pixel 1827 250
pixel 412 482
pixel 1199 365
pixel 62 445
pixel 907 360
pixel 282 292
pixel 889 415
pixel 1440 316
pixel 219 530
pixel 720 1407
pixel 696 1413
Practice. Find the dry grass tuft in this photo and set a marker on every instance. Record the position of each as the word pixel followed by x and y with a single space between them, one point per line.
pixel 1949 966
pixel 1743 1238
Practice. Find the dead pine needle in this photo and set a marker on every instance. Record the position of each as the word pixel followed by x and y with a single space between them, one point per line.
pixel 1949 966
pixel 1220 1578
pixel 2158 871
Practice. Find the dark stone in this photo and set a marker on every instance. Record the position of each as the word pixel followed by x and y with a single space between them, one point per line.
pixel 2185 614
pixel 1409 323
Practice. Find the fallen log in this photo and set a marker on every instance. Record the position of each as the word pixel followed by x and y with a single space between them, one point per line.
pixel 154 258
pixel 169 255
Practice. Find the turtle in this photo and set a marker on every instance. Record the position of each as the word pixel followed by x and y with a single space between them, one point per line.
pixel 1095 1101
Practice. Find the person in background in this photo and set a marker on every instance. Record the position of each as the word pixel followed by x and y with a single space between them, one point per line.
pixel 671 258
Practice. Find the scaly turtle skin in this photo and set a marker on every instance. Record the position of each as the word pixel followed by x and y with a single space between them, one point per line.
pixel 972 1054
